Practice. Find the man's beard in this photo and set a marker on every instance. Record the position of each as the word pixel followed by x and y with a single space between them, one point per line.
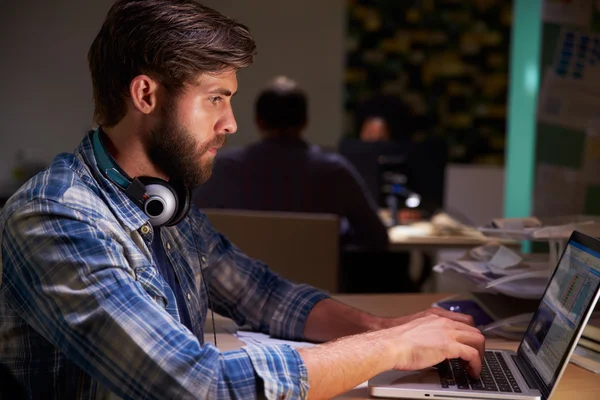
pixel 172 148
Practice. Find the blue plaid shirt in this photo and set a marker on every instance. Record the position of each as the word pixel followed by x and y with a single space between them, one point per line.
pixel 85 314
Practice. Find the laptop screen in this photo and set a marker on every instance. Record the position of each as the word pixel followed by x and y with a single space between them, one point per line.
pixel 565 304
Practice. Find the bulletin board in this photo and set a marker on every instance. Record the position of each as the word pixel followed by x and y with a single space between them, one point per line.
pixel 568 117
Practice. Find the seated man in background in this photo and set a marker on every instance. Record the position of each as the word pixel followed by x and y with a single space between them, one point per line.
pixel 385 126
pixel 282 172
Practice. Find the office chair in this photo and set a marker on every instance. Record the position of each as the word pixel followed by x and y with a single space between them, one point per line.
pixel 301 247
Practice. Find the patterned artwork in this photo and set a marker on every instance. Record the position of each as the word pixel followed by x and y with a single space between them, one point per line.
pixel 448 58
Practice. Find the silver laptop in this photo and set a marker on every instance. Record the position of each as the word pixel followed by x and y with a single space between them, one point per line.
pixel 534 370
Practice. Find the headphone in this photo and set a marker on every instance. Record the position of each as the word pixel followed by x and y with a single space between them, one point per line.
pixel 165 203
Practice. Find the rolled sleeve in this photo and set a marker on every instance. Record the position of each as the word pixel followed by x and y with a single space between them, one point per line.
pixel 281 369
pixel 290 316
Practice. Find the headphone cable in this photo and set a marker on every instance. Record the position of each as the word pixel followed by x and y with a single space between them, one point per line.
pixel 212 313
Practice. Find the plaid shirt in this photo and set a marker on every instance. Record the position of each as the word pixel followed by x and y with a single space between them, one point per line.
pixel 85 314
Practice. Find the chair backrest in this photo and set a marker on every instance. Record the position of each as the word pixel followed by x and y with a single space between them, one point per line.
pixel 301 247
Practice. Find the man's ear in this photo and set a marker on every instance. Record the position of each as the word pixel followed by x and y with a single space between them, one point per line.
pixel 143 91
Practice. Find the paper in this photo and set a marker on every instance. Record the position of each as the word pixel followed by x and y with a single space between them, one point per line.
pixel 499 269
pixel 577 56
pixel 516 223
pixel 568 102
pixel 504 258
pixel 576 12
pixel 570 91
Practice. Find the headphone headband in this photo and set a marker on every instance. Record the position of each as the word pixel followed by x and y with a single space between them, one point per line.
pixel 163 203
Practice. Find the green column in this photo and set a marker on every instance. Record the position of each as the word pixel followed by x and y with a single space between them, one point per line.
pixel 522 96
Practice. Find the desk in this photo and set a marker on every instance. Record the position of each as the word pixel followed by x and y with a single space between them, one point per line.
pixel 436 242
pixel 423 236
pixel 575 383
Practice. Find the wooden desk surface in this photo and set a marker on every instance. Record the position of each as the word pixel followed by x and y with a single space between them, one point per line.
pixel 576 383
pixel 437 242
pixel 420 241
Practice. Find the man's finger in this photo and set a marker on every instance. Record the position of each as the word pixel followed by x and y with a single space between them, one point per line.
pixel 455 316
pixel 474 340
pixel 471 356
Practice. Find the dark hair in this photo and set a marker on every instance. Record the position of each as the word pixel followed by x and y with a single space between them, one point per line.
pixel 282 105
pixel 172 41
pixel 399 116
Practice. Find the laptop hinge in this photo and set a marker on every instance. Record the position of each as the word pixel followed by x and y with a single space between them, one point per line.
pixel 530 378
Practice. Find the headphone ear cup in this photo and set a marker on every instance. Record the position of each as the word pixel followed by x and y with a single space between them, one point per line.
pixel 184 195
pixel 162 203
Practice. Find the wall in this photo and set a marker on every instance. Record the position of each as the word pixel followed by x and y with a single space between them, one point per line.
pixel 45 101
pixel 302 39
pixel 475 192
pixel 567 150
pixel 449 59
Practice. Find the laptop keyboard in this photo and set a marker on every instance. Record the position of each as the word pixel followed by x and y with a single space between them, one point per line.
pixel 495 375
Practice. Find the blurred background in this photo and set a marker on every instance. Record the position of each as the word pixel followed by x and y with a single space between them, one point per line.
pixel 449 59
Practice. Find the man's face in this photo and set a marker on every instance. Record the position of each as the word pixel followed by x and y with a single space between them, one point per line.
pixel 192 126
pixel 375 129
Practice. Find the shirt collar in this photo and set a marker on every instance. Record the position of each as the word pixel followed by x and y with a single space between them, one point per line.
pixel 128 213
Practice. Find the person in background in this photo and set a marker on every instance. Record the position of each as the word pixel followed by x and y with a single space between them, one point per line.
pixel 283 172
pixel 385 118
pixel 387 126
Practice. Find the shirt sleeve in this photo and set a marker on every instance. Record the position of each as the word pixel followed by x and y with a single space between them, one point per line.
pixel 70 280
pixel 247 291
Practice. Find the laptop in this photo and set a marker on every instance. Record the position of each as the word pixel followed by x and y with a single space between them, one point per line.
pixel 534 370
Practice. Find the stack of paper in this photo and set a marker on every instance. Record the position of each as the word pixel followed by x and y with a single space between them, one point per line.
pixel 533 229
pixel 497 268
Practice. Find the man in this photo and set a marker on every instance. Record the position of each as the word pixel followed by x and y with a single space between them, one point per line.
pixel 282 172
pixel 96 302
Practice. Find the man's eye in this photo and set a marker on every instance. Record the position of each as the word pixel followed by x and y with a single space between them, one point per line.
pixel 216 99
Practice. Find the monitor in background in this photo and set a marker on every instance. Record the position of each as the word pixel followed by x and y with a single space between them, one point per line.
pixel 423 163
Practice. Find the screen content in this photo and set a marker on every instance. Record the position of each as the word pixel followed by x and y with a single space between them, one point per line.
pixel 562 309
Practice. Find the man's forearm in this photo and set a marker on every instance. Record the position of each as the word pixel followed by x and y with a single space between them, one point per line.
pixel 330 320
pixel 337 367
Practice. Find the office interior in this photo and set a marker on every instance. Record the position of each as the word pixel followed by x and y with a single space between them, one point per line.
pixel 473 71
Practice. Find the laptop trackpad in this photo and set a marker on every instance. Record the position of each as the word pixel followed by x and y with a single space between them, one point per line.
pixel 425 378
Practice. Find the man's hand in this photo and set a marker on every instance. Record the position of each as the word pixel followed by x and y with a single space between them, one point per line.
pixel 330 320
pixel 429 340
pixel 435 311
pixel 338 366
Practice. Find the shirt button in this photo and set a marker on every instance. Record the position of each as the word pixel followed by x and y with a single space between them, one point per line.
pixel 203 259
pixel 145 229
pixel 189 297
pixel 168 246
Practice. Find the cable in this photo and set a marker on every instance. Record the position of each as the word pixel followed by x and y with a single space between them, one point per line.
pixel 212 313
